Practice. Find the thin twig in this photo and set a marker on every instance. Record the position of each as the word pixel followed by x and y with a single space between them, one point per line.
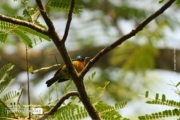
pixel 44 68
pixel 55 58
pixel 125 37
pixel 174 85
pixel 23 23
pixel 58 104
pixel 68 21
pixel 22 90
pixel 39 12
pixel 28 81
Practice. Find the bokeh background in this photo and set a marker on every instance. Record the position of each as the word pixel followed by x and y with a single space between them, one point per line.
pixel 148 61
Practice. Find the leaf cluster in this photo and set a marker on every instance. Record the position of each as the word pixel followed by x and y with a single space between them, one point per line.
pixel 133 57
pixel 26 34
pixel 162 114
pixel 6 97
pixel 73 109
pixel 64 5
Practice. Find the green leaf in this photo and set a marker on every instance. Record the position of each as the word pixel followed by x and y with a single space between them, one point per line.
pixel 71 112
pixel 109 112
pixel 157 96
pixel 3 36
pixel 122 104
pixel 4 71
pixel 177 84
pixel 64 5
pixel 22 32
pixel 6 25
pixel 3 111
pixel 162 114
pixel 23 37
pixel 4 85
pixel 161 1
pixel 163 97
pixel 178 2
pixel 10 95
pixel 31 69
pixel 93 74
pixel 147 94
pixel 33 32
pixel 134 57
pixel 170 103
pixel 5 79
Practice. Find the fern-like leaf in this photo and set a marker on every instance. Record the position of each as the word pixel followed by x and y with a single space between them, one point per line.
pixel 3 36
pixel 64 5
pixel 162 101
pixel 3 109
pixel 23 37
pixel 10 95
pixel 35 33
pixel 108 112
pixel 4 71
pixel 163 114
pixel 98 91
pixel 120 105
pixel 171 103
pixel 6 25
pixel 5 80
pixel 4 85
pixel 71 112
pixel 24 33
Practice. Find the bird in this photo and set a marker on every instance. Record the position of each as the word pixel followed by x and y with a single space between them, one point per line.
pixel 62 73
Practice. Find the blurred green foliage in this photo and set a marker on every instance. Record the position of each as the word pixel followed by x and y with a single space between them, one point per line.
pixel 100 23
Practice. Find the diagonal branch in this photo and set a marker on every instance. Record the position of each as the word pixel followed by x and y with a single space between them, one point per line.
pixel 56 39
pixel 45 16
pixel 69 20
pixel 58 104
pixel 125 37
pixel 23 23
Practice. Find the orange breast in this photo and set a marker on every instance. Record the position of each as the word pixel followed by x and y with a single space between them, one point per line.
pixel 78 65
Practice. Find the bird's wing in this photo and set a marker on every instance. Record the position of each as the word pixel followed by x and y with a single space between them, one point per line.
pixel 58 70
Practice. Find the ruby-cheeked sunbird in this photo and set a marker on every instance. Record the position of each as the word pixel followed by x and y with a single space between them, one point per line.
pixel 63 75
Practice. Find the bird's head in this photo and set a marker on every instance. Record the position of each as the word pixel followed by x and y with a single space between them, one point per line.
pixel 80 58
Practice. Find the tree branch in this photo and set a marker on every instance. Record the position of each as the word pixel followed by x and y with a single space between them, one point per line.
pixel 66 58
pixel 125 37
pixel 69 20
pixel 23 23
pixel 58 104
pixel 45 16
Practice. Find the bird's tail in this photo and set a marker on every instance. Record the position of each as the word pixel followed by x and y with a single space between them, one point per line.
pixel 63 80
pixel 51 81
